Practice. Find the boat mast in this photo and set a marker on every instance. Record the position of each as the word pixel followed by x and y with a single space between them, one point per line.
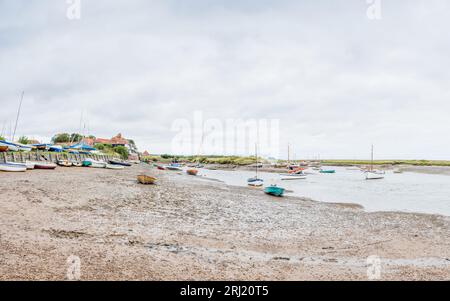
pixel 256 154
pixel 289 159
pixel 371 160
pixel 17 117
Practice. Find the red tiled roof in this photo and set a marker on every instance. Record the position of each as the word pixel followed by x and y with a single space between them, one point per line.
pixel 114 140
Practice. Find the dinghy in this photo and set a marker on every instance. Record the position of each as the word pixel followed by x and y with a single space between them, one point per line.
pixel 93 163
pixel 118 162
pixel 274 190
pixel 170 167
pixel 146 180
pixel 64 163
pixel 256 182
pixel 192 172
pixel 327 171
pixel 76 164
pixel 28 164
pixel 3 148
pixel 44 165
pixel 286 177
pixel 112 166
pixel 160 167
pixel 12 167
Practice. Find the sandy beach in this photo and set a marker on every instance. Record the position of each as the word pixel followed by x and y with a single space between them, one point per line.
pixel 192 228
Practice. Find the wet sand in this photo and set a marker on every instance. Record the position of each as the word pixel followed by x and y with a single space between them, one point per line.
pixel 191 228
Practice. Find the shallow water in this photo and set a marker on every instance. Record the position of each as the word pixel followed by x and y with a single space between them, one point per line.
pixel 410 192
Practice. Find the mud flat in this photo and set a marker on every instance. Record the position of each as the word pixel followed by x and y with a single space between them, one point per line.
pixel 190 228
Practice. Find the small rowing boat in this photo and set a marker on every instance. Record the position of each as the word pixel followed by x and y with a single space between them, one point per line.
pixel 256 182
pixel 170 167
pixel 192 172
pixel 44 165
pixel 327 171
pixel 65 163
pixel 112 166
pixel 160 167
pixel 274 190
pixel 118 162
pixel 93 163
pixel 12 167
pixel 28 164
pixel 285 176
pixel 76 164
pixel 146 180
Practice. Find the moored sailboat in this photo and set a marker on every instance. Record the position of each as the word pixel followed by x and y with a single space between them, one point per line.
pixel 372 174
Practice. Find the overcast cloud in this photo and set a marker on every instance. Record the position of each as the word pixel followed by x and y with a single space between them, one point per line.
pixel 337 81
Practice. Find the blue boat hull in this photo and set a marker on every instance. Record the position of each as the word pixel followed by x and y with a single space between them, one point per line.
pixel 273 190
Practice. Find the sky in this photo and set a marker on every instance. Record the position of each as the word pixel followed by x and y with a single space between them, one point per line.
pixel 328 78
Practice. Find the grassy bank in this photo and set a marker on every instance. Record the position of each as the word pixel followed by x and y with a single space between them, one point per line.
pixel 388 162
pixel 236 160
pixel 229 160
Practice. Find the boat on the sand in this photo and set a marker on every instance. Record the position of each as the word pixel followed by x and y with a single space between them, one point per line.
pixel 120 163
pixel 76 163
pixel 44 165
pixel 255 181
pixel 93 163
pixel 30 165
pixel 192 172
pixel 64 163
pixel 288 176
pixel 112 166
pixel 274 190
pixel 171 167
pixel 327 171
pixel 12 167
pixel 146 180
pixel 160 167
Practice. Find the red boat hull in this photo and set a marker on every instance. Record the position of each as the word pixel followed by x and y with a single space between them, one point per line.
pixel 37 166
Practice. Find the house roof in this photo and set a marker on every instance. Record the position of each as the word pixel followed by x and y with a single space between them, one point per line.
pixel 118 139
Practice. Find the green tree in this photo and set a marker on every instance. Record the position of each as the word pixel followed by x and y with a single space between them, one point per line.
pixel 122 151
pixel 100 146
pixel 24 140
pixel 75 137
pixel 61 138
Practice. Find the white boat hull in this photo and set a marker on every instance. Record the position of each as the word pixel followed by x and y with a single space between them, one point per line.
pixel 287 177
pixel 116 167
pixel 257 183
pixel 13 168
pixel 374 176
pixel 28 164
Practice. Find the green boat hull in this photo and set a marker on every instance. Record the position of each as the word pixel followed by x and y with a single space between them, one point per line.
pixel 327 171
pixel 273 190
pixel 87 163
